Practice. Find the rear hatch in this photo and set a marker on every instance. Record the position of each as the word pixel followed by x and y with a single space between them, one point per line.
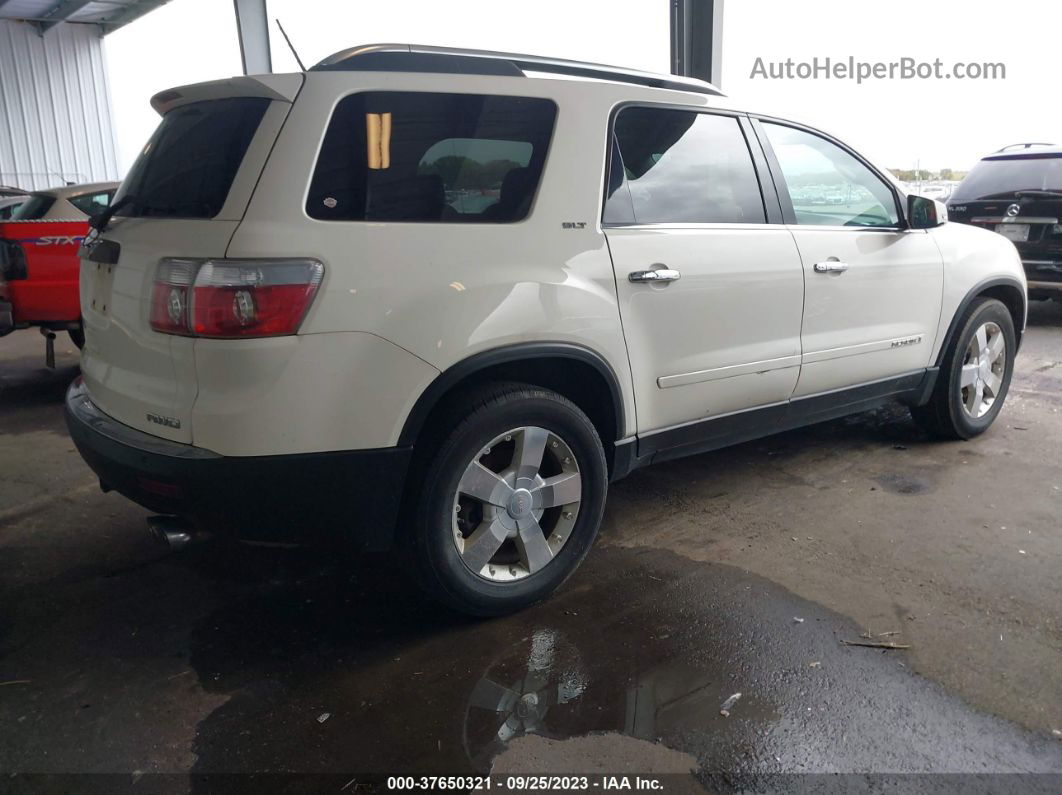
pixel 184 197
pixel 1020 197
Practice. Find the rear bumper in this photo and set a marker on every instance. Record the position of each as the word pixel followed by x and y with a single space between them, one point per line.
pixel 349 498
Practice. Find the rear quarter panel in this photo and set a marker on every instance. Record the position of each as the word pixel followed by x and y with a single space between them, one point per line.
pixel 444 292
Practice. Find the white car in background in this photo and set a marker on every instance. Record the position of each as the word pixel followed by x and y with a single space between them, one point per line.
pixel 67 203
pixel 435 299
pixel 937 192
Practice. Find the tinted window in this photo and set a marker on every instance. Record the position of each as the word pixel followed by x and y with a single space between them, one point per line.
pixel 187 167
pixel 682 167
pixel 9 210
pixel 828 186
pixel 34 208
pixel 999 179
pixel 394 156
pixel 91 203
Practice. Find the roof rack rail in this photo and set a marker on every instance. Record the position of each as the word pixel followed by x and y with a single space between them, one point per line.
pixel 1023 146
pixel 452 60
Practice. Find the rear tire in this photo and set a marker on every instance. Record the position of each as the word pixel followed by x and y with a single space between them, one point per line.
pixel 510 486
pixel 974 375
pixel 77 336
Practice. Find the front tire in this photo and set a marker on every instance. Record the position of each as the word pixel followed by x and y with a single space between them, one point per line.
pixel 975 374
pixel 511 490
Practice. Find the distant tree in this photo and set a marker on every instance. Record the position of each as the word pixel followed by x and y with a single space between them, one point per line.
pixel 494 172
pixel 452 168
pixel 458 171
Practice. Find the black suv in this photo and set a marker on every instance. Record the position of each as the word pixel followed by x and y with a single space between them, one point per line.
pixel 1017 192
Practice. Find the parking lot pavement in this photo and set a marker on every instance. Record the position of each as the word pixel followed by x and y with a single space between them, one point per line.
pixel 735 572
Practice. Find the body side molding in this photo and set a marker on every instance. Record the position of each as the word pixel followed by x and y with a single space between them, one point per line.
pixel 716 432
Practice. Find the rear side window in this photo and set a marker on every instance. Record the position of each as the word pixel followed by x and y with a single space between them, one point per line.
pixel 91 203
pixel 34 208
pixel 450 158
pixel 187 167
pixel 681 167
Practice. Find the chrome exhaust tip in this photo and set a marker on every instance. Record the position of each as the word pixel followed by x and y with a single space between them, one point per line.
pixel 172 531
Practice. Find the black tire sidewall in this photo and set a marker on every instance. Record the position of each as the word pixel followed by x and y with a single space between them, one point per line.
pixel 448 577
pixel 989 310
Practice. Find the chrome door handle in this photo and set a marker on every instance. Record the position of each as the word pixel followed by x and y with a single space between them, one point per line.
pixel 831 266
pixel 657 275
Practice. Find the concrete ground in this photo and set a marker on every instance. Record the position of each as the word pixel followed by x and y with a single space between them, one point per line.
pixel 740 571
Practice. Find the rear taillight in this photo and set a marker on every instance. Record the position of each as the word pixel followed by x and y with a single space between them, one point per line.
pixel 171 294
pixel 233 298
pixel 12 261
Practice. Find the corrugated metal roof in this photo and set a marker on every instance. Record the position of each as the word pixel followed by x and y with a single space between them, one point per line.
pixel 107 14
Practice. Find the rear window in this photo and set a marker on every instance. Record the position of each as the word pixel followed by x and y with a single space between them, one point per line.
pixel 91 203
pixel 187 167
pixel 34 208
pixel 1000 178
pixel 412 156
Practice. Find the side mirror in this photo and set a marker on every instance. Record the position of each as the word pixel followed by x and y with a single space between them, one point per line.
pixel 925 213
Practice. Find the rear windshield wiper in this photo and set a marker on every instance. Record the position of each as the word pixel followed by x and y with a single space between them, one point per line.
pixel 100 220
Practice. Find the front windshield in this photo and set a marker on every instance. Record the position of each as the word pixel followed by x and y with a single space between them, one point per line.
pixel 998 178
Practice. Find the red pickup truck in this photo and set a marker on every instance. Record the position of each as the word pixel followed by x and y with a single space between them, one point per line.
pixel 39 265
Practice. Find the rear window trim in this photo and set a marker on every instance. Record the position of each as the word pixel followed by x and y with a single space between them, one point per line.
pixel 447 224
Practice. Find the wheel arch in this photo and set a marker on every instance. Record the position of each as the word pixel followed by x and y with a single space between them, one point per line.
pixel 1009 291
pixel 579 373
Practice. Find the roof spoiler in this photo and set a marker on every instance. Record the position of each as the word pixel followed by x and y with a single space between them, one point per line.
pixel 280 87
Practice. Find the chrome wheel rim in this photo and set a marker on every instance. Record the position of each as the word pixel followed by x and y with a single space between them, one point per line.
pixel 516 504
pixel 983 366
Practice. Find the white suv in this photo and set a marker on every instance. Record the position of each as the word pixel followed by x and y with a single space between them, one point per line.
pixel 439 299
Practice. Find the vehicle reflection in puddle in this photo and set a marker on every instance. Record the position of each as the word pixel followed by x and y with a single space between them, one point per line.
pixel 508 703
pixel 647 645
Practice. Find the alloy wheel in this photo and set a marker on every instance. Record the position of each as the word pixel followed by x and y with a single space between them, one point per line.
pixel 983 367
pixel 516 504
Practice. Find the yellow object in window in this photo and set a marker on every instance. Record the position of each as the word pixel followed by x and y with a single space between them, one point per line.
pixel 378 138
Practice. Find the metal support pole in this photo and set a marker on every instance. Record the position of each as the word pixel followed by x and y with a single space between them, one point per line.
pixel 697 39
pixel 252 23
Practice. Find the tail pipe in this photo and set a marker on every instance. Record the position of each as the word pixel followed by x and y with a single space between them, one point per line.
pixel 173 531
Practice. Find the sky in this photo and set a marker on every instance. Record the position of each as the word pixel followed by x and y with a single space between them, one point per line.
pixel 899 123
